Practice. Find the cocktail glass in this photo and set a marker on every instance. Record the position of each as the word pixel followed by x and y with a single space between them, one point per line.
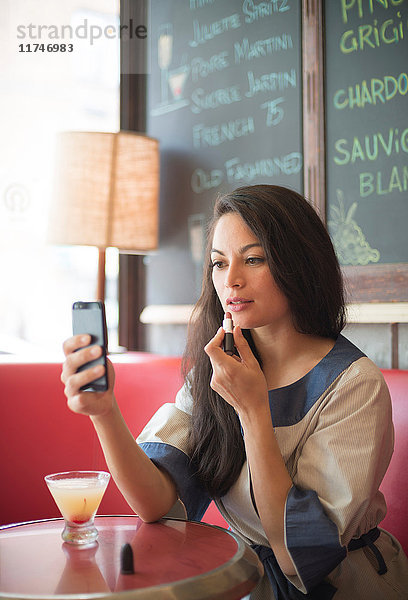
pixel 78 495
pixel 177 79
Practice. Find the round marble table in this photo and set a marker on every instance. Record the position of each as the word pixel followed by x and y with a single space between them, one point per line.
pixel 171 559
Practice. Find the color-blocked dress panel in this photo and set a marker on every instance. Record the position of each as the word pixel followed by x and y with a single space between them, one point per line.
pixel 334 430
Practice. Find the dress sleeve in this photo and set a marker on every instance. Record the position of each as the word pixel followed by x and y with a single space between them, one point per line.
pixel 340 467
pixel 165 441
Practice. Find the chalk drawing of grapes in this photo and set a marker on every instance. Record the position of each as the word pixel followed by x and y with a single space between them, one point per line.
pixel 348 239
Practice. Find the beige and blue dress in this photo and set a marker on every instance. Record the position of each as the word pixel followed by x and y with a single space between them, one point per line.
pixel 334 430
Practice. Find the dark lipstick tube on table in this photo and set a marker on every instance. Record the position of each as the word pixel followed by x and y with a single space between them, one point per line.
pixel 228 338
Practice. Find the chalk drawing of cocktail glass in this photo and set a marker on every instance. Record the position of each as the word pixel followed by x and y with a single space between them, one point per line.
pixel 78 495
pixel 165 51
pixel 177 79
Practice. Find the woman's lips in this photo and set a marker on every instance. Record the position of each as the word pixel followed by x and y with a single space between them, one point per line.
pixel 238 304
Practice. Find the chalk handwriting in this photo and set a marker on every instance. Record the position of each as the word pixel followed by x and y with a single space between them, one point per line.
pixel 236 171
pixel 287 164
pixel 363 5
pixel 195 4
pixel 255 11
pixel 202 180
pixel 249 51
pixel 383 185
pixel 202 101
pixel 371 92
pixel 203 33
pixel 370 147
pixel 275 113
pixel 207 136
pixel 270 82
pixel 202 68
pixel 365 36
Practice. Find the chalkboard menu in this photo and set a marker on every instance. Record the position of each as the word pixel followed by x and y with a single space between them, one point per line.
pixel 224 100
pixel 366 82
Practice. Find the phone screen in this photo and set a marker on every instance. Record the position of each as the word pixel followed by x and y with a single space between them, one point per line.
pixel 89 317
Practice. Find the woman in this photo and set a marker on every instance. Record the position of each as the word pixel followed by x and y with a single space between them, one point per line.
pixel 292 435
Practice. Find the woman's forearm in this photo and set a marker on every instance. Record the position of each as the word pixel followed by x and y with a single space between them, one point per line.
pixel 270 481
pixel 149 491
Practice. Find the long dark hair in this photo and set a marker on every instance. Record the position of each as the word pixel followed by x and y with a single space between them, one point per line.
pixel 304 265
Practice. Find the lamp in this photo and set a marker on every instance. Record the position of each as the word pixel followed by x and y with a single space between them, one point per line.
pixel 106 193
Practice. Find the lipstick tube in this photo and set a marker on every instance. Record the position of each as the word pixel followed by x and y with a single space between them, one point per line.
pixel 227 326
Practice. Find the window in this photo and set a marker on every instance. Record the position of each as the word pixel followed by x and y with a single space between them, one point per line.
pixel 48 86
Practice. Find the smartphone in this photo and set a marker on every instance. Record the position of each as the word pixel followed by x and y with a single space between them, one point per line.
pixel 89 317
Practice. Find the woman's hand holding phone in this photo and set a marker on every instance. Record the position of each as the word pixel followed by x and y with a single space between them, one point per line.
pixel 151 493
pixel 78 353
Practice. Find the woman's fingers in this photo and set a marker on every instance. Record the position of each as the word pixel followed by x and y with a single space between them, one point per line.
pixel 75 342
pixel 215 344
pixel 78 380
pixel 90 403
pixel 243 347
pixel 236 379
pixel 77 358
pixel 78 354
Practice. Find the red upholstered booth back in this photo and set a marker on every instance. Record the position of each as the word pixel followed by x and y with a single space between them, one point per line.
pixel 40 435
pixel 395 483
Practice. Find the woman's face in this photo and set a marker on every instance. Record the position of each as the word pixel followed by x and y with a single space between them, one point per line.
pixel 242 278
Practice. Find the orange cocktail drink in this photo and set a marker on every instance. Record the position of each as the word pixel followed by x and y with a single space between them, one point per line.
pixel 78 495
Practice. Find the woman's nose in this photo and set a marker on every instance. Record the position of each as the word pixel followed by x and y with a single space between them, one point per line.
pixel 233 277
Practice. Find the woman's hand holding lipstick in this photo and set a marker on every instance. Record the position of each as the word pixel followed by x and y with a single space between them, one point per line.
pixel 237 379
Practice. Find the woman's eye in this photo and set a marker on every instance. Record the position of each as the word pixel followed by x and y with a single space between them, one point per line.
pixel 255 260
pixel 217 264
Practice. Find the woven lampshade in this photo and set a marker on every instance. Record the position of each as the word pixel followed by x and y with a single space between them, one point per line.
pixel 106 191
